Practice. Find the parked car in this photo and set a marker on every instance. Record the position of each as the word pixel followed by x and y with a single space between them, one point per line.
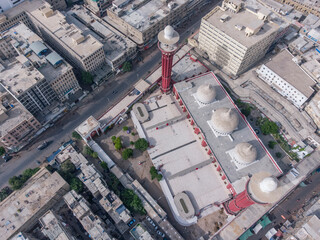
pixel 6 157
pixel 161 234
pixel 43 145
pixel 131 222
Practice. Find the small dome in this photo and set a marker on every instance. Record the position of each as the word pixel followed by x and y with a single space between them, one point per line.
pixel 225 120
pixel 268 184
pixel 168 32
pixel 206 93
pixel 246 153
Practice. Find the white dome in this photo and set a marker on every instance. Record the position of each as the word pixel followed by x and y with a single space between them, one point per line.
pixel 206 93
pixel 268 184
pixel 225 120
pixel 168 32
pixel 246 153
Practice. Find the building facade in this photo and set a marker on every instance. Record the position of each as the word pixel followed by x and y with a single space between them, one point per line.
pixel 236 38
pixel 141 21
pixel 305 6
pixel 98 7
pixel 7 4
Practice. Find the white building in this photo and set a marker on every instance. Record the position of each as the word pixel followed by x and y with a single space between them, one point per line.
pixel 287 78
pixel 7 4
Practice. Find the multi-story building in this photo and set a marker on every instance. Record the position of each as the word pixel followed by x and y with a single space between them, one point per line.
pixel 90 222
pixel 98 7
pixel 7 4
pixel 17 125
pixel 82 50
pixel 53 229
pixel 59 74
pixel 142 20
pixel 117 47
pixel 305 6
pixel 236 38
pixel 287 78
pixel 57 4
pixel 26 83
pixel 21 210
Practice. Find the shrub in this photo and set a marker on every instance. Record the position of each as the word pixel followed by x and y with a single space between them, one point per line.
pixel 141 144
pixel 127 153
pixel 278 154
pixel 125 128
pixel 94 155
pixel 271 144
pixel 2 151
pixel 104 165
pixel 131 142
pixel 87 151
pixel 87 78
pixel 133 134
pixel 127 67
pixel 76 135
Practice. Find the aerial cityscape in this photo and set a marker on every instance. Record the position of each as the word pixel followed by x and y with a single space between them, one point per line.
pixel 159 119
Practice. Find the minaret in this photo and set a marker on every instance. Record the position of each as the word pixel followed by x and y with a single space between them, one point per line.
pixel 261 188
pixel 167 45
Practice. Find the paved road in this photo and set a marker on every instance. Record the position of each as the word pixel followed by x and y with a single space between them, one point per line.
pixel 291 205
pixel 95 104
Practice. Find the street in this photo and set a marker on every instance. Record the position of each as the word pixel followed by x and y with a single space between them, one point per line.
pixel 95 104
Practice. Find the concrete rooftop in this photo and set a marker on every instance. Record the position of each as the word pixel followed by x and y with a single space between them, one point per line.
pixel 87 126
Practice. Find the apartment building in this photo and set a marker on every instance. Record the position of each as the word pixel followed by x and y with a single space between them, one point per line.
pixel 96 228
pixel 117 47
pixel 236 38
pixel 79 48
pixel 142 20
pixel 98 7
pixel 26 84
pixel 7 4
pixel 21 210
pixel 305 6
pixel 51 65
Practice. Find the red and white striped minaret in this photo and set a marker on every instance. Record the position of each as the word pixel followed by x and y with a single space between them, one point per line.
pixel 167 45
pixel 261 188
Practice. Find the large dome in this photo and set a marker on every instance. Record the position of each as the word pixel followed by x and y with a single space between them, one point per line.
pixel 206 93
pixel 246 153
pixel 268 184
pixel 225 120
pixel 168 32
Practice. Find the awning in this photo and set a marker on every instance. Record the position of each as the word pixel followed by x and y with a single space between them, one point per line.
pixel 38 47
pixel 246 235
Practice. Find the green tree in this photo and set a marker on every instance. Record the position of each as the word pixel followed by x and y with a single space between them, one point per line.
pixel 246 111
pixel 132 201
pixel 271 144
pixel 117 143
pixel 154 174
pixel 131 143
pixel 76 184
pixel 278 154
pixel 141 144
pixel 4 193
pixel 94 155
pixel 87 151
pixel 127 153
pixel 87 78
pixel 16 182
pixel 113 138
pixel 269 127
pixel 2 151
pixel 76 135
pixel 104 165
pixel 127 67
pixel 68 167
pixel 125 128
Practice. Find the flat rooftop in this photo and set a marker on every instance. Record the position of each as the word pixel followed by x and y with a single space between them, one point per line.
pixel 221 145
pixel 287 69
pixel 72 37
pixel 115 44
pixel 27 5
pixel 17 77
pixel 22 205
pixel 23 37
pixel 177 150
pixel 243 18
pixel 16 115
pixel 146 13
pixel 87 126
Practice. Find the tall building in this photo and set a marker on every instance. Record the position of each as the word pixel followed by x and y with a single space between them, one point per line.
pixel 7 4
pixel 236 38
pixel 143 20
pixel 20 40
pixel 98 7
pixel 167 45
pixel 21 210
pixel 82 50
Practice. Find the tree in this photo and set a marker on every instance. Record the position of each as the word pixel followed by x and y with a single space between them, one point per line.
pixel 269 127
pixel 87 78
pixel 125 128
pixel 16 182
pixel 94 155
pixel 278 154
pixel 132 201
pixel 128 152
pixel 4 193
pixel 271 144
pixel 117 143
pixel 113 138
pixel 87 151
pixel 68 167
pixel 154 174
pixel 76 184
pixel 104 165
pixel 76 135
pixel 2 151
pixel 141 144
pixel 127 67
